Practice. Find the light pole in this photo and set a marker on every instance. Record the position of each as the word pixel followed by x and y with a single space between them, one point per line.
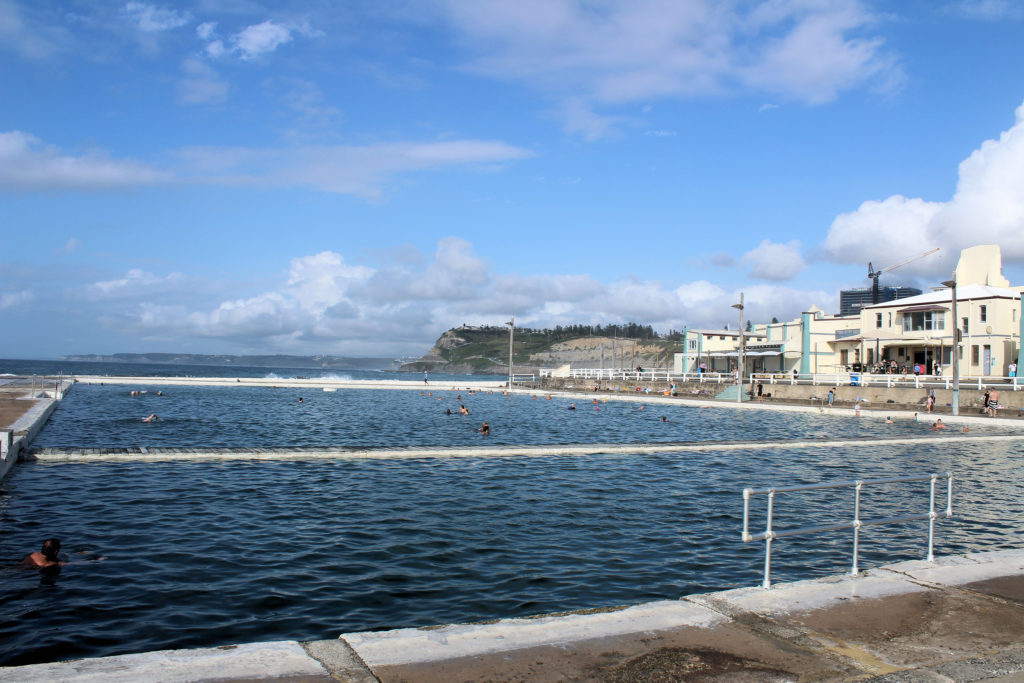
pixel 956 347
pixel 511 331
pixel 739 354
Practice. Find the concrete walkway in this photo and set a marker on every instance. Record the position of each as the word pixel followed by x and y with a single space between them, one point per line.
pixel 958 619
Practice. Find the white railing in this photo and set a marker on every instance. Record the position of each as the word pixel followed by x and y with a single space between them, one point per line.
pixel 863 379
pixel 770 533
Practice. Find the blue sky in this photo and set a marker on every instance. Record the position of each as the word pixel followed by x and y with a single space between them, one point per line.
pixel 235 176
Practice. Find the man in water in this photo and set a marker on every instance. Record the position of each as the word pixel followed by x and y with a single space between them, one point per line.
pixel 152 417
pixel 572 406
pixel 484 429
pixel 47 557
pixel 888 420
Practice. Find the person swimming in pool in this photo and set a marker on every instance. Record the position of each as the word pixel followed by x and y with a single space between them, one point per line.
pixel 484 429
pixel 47 557
pixel 152 417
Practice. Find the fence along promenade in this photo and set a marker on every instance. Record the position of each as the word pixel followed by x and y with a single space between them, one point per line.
pixel 813 379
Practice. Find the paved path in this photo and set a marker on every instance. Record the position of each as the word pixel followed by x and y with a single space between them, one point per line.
pixel 959 619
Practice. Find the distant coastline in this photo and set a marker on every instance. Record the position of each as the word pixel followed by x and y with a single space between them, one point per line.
pixel 226 360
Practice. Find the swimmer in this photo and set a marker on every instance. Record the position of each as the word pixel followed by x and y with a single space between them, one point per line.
pixel 152 417
pixel 572 406
pixel 463 410
pixel 484 429
pixel 888 420
pixel 966 429
pixel 47 557
pixel 448 412
pixel 159 393
pixel 300 400
pixel 664 418
pixel 640 408
pixel 939 424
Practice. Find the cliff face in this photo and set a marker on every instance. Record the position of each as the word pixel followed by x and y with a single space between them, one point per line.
pixel 467 351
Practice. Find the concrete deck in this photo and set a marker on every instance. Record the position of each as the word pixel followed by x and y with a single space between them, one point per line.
pixel 958 619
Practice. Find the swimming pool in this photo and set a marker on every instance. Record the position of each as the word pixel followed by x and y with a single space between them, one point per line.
pixel 209 553
pixel 108 416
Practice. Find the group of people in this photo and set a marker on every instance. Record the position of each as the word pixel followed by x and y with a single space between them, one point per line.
pixel 905 367
pixel 484 429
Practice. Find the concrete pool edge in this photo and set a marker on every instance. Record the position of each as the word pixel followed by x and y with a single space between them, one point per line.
pixel 786 619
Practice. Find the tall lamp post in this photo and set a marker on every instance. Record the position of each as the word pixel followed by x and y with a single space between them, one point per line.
pixel 739 354
pixel 511 331
pixel 956 347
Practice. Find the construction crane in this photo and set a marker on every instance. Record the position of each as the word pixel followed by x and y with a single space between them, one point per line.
pixel 875 274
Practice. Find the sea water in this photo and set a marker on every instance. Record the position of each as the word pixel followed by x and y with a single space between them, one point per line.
pixel 203 554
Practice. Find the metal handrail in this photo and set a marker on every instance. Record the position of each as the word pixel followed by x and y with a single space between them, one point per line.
pixel 856 523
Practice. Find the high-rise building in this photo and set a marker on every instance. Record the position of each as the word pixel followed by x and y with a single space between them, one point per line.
pixel 852 300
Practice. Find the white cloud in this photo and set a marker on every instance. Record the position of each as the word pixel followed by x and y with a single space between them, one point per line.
pixel 987 208
pixel 206 30
pixel 215 48
pixel 135 283
pixel 261 38
pixel 589 55
pixel 325 304
pixel 27 164
pixel 24 37
pixel 774 261
pixel 10 300
pixel 990 10
pixel 201 84
pixel 361 171
pixel 73 244
pixel 153 19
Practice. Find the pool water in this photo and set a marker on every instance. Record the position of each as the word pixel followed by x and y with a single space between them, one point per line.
pixel 203 554
pixel 108 416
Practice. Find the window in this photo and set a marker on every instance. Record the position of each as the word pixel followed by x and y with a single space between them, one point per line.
pixel 964 326
pixel 878 319
pixel 923 320
pixel 890 318
pixel 691 344
pixel 974 354
pixel 983 313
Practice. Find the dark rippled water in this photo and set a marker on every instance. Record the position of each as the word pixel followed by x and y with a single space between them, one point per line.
pixel 214 553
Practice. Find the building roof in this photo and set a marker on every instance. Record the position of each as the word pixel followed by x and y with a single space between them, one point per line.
pixel 942 296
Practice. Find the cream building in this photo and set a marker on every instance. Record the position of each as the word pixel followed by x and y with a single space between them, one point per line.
pixel 916 331
pixel 919 330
